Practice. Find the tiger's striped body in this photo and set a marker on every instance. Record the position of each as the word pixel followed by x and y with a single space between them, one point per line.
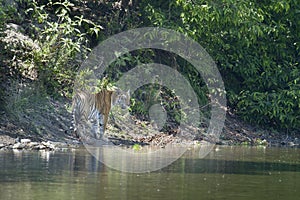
pixel 92 110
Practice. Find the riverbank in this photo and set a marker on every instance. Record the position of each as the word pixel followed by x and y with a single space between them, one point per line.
pixel 51 129
pixel 7 143
pixel 235 132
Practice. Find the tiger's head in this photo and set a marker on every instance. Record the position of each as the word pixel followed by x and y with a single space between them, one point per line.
pixel 121 98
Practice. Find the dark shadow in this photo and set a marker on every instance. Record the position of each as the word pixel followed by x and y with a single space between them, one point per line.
pixel 230 167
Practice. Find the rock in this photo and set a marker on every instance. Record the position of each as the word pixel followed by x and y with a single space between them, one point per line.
pixel 32 145
pixel 48 145
pixel 40 147
pixel 6 140
pixel 2 145
pixel 264 142
pixel 14 27
pixel 19 146
pixel 25 141
pixel 291 144
pixel 36 147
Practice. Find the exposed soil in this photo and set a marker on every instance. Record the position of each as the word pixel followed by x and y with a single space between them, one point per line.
pixel 47 121
pixel 55 124
pixel 238 132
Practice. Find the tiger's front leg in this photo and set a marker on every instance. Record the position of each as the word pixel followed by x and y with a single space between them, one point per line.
pixel 101 126
pixel 95 125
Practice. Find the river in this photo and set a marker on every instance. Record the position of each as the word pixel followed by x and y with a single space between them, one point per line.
pixel 238 172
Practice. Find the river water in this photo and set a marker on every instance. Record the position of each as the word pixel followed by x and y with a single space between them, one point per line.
pixel 225 173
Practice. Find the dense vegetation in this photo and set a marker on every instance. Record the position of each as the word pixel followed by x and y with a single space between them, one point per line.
pixel 256 45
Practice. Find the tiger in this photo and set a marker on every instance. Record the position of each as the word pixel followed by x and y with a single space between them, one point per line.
pixel 92 110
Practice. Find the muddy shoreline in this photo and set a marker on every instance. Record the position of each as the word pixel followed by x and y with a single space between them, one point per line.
pixel 235 132
pixel 51 129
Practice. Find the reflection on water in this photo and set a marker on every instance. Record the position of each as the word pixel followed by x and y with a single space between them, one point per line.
pixel 147 159
pixel 226 173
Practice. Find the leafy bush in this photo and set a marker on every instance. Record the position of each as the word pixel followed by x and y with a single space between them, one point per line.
pixel 63 44
pixel 255 45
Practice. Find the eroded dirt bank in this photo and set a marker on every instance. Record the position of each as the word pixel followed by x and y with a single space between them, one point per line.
pixel 50 128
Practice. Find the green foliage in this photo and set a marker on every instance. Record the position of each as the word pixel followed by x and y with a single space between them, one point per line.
pixel 154 93
pixel 51 47
pixel 255 45
pixel 136 147
pixel 86 80
pixel 16 46
pixel 24 98
pixel 63 44
pixel 8 12
pixel 277 108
